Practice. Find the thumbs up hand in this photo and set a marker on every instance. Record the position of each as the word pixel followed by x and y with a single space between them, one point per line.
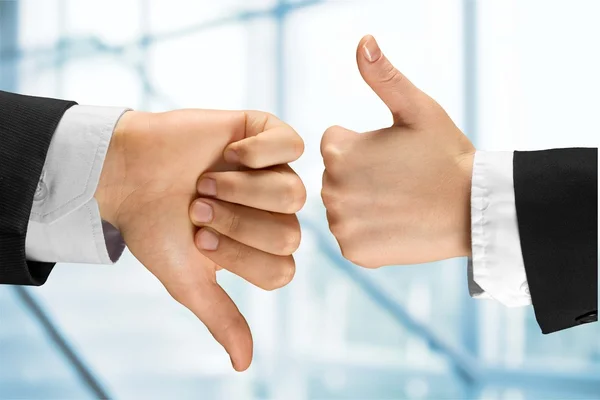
pixel 398 195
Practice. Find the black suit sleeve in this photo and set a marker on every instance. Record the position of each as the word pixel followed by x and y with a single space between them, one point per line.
pixel 556 195
pixel 26 128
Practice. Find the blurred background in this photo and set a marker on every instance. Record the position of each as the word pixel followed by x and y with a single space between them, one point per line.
pixel 513 75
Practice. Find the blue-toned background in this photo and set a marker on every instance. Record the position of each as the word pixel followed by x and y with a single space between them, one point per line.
pixel 513 74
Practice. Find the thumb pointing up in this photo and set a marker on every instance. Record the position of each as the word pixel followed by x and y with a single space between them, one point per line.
pixel 396 91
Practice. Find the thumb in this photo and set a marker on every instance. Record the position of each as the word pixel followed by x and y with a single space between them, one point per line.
pixel 396 91
pixel 202 295
pixel 218 312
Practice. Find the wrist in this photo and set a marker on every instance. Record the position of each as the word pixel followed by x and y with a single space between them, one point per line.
pixel 463 231
pixel 110 190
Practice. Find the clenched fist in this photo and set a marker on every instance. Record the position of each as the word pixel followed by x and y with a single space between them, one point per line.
pixel 399 195
pixel 149 191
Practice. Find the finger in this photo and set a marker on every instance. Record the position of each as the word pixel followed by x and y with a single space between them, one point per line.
pixel 224 321
pixel 267 271
pixel 333 145
pixel 279 145
pixel 209 302
pixel 327 189
pixel 396 91
pixel 258 122
pixel 278 189
pixel 272 233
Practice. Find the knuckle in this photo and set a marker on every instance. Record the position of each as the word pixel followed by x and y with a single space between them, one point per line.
pixel 286 273
pixel 298 146
pixel 329 191
pixel 328 198
pixel 331 151
pixel 334 228
pixel 363 261
pixel 349 242
pixel 348 252
pixel 332 203
pixel 390 75
pixel 370 265
pixel 332 131
pixel 259 119
pixel 329 137
pixel 357 256
pixel 268 116
pixel 332 158
pixel 295 194
pixel 338 228
pixel 290 240
pixel 353 254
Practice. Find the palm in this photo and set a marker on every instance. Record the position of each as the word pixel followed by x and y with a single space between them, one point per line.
pixel 162 238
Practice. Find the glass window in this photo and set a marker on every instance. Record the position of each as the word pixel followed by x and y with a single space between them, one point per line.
pixel 336 332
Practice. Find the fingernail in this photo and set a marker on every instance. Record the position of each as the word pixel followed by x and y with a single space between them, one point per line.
pixel 208 240
pixel 202 212
pixel 371 50
pixel 231 156
pixel 207 187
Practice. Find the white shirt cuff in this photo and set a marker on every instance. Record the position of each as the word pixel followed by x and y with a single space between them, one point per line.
pixel 496 270
pixel 65 223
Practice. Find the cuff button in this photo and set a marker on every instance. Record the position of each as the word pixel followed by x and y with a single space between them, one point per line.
pixel 587 318
pixel 41 192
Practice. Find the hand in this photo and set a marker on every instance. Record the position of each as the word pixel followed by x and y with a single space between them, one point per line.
pixel 148 182
pixel 249 219
pixel 399 195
